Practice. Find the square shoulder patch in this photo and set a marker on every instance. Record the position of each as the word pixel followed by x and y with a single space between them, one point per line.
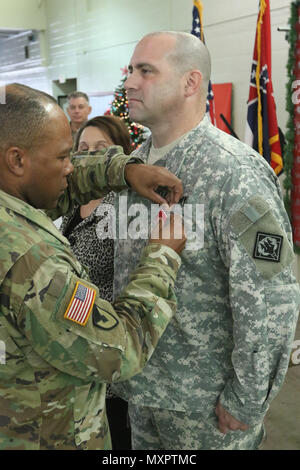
pixel 268 247
pixel 81 304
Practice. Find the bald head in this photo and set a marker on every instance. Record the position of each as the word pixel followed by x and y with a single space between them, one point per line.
pixel 188 53
pixel 23 116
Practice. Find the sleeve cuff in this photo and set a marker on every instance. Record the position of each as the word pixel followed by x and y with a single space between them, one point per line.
pixel 117 167
pixel 240 409
pixel 162 254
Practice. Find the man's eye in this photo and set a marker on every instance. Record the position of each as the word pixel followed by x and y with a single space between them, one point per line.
pixel 83 147
pixel 145 71
pixel 102 146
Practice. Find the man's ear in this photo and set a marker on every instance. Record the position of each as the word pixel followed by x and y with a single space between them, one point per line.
pixel 90 110
pixel 193 80
pixel 15 159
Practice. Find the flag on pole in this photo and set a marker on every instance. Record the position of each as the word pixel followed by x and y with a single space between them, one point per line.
pixel 262 132
pixel 197 30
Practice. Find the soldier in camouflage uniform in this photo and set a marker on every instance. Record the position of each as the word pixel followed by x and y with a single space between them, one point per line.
pixel 224 355
pixel 60 343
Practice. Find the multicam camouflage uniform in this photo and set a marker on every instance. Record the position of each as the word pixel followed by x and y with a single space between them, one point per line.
pixel 237 300
pixel 53 370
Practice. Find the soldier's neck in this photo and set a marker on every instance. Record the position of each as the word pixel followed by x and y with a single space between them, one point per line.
pixel 166 132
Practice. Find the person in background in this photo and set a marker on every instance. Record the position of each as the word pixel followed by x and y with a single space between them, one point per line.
pixel 78 110
pixel 225 354
pixel 80 228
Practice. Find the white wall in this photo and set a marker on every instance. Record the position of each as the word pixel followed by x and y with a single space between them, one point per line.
pixel 94 39
pixel 22 14
pixel 230 35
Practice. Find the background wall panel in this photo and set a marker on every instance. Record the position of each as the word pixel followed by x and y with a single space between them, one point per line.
pixel 23 14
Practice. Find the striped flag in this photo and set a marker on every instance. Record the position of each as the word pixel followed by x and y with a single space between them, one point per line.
pixel 197 30
pixel 81 304
pixel 262 132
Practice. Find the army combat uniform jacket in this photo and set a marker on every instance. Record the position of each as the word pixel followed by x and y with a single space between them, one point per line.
pixel 59 341
pixel 238 300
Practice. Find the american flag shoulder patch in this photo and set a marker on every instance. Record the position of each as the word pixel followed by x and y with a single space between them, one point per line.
pixel 81 304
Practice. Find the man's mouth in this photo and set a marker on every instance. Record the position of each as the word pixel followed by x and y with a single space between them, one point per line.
pixel 132 103
pixel 132 99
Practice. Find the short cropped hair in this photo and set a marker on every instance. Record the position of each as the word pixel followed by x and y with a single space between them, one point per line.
pixel 23 116
pixel 114 127
pixel 189 53
pixel 78 94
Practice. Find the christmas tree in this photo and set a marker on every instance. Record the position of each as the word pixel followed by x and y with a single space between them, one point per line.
pixel 119 107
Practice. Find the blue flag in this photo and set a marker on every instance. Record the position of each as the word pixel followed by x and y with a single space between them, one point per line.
pixel 197 30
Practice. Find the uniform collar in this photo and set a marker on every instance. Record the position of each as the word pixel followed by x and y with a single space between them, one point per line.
pixel 37 216
pixel 174 159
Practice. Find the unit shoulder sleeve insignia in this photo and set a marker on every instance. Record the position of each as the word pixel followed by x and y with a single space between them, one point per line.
pixel 103 319
pixel 268 247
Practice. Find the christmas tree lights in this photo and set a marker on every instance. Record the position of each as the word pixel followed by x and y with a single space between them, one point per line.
pixel 119 107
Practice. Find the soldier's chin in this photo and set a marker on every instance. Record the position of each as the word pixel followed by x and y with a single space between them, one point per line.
pixel 136 117
pixel 131 115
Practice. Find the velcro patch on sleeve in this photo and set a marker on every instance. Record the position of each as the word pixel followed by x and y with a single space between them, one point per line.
pixel 81 304
pixel 259 231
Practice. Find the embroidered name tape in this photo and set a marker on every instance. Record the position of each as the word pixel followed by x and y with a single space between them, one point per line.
pixel 81 304
pixel 268 247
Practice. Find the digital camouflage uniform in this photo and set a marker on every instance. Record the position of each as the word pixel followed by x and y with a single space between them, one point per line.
pixel 238 300
pixel 53 370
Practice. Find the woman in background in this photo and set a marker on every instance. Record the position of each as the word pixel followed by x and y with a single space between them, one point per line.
pixel 80 226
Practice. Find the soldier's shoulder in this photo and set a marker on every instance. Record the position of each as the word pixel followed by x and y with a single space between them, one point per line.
pixel 21 239
pixel 222 157
pixel 232 153
pixel 16 229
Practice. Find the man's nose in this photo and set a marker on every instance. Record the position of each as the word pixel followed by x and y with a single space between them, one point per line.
pixel 69 168
pixel 131 82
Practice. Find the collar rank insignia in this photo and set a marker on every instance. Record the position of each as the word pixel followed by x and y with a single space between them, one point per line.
pixel 81 304
pixel 267 247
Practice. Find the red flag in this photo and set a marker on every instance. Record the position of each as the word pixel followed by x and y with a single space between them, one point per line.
pixel 262 129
